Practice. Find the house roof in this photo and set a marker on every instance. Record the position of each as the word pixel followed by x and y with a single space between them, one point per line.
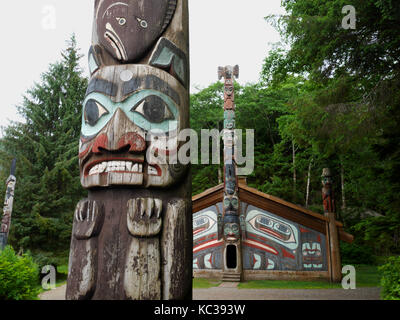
pixel 271 204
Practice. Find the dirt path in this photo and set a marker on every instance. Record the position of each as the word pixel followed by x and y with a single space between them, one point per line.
pixel 55 294
pixel 230 292
pixel 221 293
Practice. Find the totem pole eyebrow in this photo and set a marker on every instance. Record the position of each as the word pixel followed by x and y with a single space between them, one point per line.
pixel 102 86
pixel 150 82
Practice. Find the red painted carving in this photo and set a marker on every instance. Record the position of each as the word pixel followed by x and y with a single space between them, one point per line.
pixel 327 191
pixel 135 142
pixel 100 142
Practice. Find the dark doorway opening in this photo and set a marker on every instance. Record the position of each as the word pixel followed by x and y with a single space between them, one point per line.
pixel 231 257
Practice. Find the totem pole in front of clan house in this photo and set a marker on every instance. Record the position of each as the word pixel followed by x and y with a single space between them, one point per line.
pixel 230 227
pixel 132 236
pixel 8 206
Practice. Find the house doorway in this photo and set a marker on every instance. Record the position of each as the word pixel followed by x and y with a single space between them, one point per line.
pixel 231 257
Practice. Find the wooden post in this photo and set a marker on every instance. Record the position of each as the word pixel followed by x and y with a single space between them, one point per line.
pixel 231 221
pixel 8 206
pixel 329 209
pixel 132 237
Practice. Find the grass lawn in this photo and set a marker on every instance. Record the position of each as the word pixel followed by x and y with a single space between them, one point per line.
pixel 199 283
pixel 367 276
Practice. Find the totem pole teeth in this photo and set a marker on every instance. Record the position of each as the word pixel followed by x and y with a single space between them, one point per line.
pixel 149 207
pixel 142 206
pixel 158 207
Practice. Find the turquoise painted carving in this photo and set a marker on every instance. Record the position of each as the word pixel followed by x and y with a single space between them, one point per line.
pixel 132 108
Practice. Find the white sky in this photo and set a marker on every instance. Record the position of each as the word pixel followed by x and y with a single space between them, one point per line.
pixel 222 32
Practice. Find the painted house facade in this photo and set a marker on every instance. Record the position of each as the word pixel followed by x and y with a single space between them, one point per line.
pixel 280 240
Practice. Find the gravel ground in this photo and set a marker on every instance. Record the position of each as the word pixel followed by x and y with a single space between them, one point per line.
pixel 230 292
pixel 220 293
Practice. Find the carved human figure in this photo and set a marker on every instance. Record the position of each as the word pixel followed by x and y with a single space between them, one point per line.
pixel 327 191
pixel 132 236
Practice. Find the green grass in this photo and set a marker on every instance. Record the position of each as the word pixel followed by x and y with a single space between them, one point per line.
pixel 199 283
pixel 367 276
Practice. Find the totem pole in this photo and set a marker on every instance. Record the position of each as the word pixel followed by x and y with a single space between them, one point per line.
pixel 230 220
pixel 8 206
pixel 329 211
pixel 132 237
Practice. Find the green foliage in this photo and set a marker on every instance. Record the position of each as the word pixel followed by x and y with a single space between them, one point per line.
pixel 353 254
pixel 46 147
pixel 18 276
pixel 43 258
pixel 391 279
pixel 346 114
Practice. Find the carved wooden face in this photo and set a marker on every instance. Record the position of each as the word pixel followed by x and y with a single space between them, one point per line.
pixel 231 231
pixel 128 28
pixel 131 117
pixel 231 203
pixel 229 122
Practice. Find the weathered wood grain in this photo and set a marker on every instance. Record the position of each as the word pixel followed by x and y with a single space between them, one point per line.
pixel 142 270
pixel 175 242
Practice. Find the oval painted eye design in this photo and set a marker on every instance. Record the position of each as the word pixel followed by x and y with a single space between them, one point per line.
pixel 121 21
pixel 227 202
pixel 93 112
pixel 235 203
pixel 231 202
pixel 154 109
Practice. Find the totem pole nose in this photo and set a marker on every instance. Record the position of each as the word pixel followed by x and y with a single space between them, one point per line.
pixel 121 135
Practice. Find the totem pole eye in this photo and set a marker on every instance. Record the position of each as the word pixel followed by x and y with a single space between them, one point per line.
pixel 235 202
pixel 121 21
pixel 142 23
pixel 154 109
pixel 93 112
pixel 227 202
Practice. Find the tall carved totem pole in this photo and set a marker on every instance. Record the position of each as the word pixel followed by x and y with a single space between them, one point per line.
pixel 230 226
pixel 8 206
pixel 132 236
pixel 329 211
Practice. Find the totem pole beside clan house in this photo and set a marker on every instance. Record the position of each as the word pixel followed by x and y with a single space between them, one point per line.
pixel 240 233
pixel 132 236
pixel 8 206
pixel 230 218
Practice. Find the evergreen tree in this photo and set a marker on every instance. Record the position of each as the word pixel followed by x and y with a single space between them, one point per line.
pixel 46 146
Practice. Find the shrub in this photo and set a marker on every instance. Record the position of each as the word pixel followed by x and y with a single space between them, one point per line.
pixel 18 276
pixel 356 254
pixel 391 279
pixel 58 261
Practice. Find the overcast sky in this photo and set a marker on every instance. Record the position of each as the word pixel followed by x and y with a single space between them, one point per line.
pixel 222 32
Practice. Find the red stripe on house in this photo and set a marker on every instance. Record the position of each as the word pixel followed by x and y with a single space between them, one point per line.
pixel 259 245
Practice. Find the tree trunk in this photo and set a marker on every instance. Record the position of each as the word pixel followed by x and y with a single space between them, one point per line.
pixel 219 175
pixel 308 182
pixel 343 186
pixel 294 167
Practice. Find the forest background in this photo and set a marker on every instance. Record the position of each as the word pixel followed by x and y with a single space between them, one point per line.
pixel 327 97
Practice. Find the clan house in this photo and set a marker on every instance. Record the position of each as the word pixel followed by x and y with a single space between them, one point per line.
pixel 240 233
